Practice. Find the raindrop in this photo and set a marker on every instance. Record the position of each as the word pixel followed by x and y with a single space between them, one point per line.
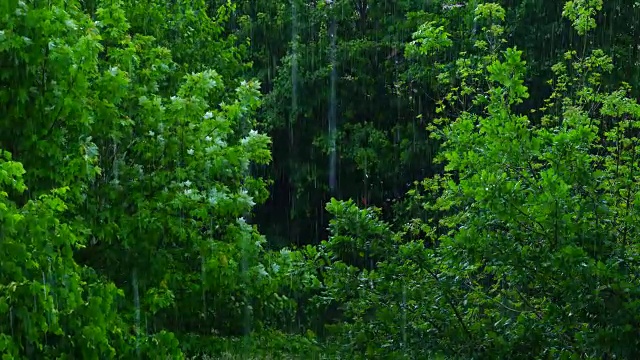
pixel 136 299
pixel 333 158
pixel 294 69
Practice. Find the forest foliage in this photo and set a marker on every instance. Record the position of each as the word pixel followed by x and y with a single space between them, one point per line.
pixel 166 179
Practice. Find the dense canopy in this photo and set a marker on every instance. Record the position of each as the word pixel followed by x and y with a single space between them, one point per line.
pixel 340 179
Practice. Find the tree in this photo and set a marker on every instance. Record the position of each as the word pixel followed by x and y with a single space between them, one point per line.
pixel 532 254
pixel 154 160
